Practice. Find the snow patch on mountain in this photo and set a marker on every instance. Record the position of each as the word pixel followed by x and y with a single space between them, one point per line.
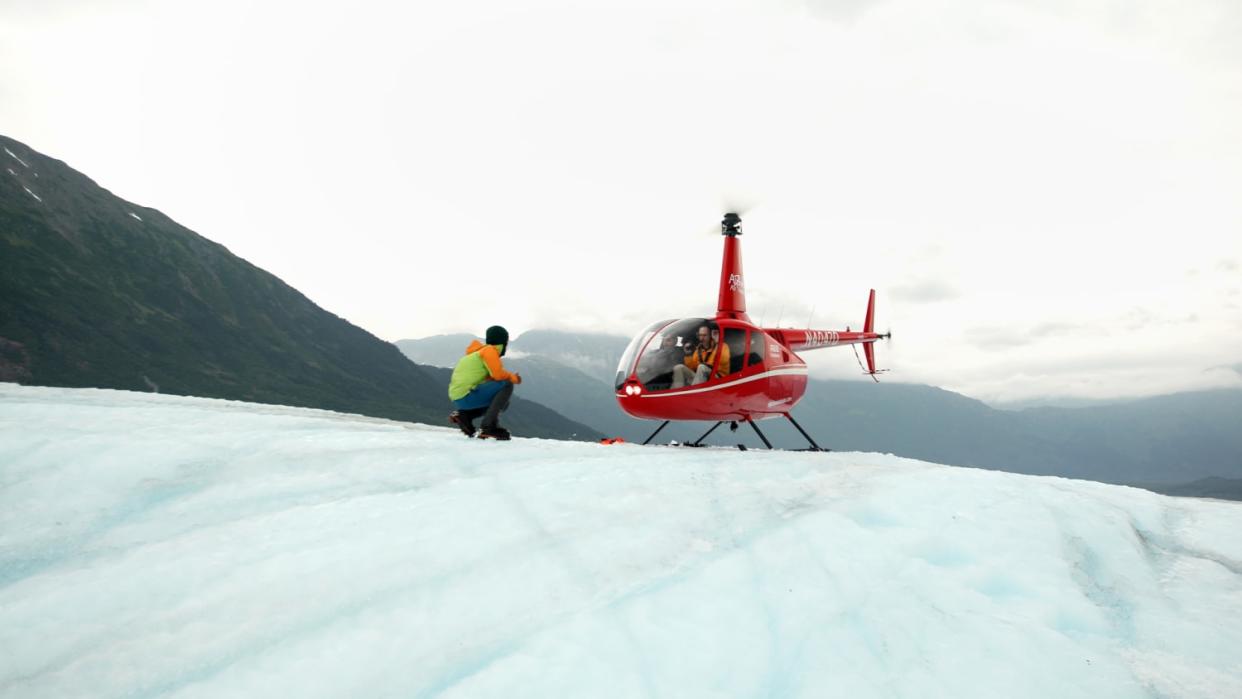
pixel 14 156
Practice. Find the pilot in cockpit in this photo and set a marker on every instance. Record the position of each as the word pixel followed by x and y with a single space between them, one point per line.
pixel 668 348
pixel 659 362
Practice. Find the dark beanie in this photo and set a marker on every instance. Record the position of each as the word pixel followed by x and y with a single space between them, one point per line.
pixel 497 335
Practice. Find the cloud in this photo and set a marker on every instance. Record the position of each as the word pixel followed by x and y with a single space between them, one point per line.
pixel 995 337
pixel 925 291
pixel 845 11
pixel 1006 337
pixel 892 145
pixel 992 337
pixel 1056 329
pixel 1138 318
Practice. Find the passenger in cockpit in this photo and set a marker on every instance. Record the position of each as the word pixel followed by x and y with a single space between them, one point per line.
pixel 656 366
pixel 697 365
pixel 667 356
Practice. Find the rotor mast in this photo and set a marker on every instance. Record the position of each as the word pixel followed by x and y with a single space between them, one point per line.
pixel 732 300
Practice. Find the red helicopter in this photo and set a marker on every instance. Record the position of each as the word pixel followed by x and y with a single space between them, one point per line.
pixel 726 369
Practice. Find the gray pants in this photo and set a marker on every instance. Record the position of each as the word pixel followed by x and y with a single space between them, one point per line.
pixel 491 414
pixel 683 374
pixel 500 402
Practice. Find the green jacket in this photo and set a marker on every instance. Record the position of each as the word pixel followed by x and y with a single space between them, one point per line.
pixel 481 363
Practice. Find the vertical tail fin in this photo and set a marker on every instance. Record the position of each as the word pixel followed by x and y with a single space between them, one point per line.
pixel 869 323
pixel 869 327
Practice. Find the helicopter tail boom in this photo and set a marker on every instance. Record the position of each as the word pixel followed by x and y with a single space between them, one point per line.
pixel 800 340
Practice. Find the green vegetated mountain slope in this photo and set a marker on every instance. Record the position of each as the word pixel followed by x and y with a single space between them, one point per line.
pixel 98 292
pixel 1161 442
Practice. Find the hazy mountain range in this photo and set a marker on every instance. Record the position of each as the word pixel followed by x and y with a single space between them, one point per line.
pixel 1186 443
pixel 99 292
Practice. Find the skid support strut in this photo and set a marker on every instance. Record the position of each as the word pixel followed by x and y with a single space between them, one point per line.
pixel 699 442
pixel 814 446
pixel 761 436
pixel 653 434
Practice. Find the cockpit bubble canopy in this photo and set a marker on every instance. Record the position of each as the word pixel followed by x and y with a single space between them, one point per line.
pixel 654 355
pixel 626 366
pixel 668 348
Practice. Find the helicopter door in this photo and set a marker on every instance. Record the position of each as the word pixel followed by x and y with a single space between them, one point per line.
pixel 757 346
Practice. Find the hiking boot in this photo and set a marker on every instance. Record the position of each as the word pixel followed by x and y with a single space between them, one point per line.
pixel 497 432
pixel 463 422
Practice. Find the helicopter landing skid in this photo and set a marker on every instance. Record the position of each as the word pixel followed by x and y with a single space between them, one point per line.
pixel 814 446
pixel 733 428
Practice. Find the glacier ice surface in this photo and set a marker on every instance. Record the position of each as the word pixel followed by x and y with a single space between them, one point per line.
pixel 155 545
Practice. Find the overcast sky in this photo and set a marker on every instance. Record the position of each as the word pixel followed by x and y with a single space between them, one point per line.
pixel 1047 196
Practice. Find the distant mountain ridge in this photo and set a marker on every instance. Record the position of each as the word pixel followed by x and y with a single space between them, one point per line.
pixel 98 292
pixel 593 354
pixel 549 362
pixel 1164 442
pixel 436 350
pixel 1221 488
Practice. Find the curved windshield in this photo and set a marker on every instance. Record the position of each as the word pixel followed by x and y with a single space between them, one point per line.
pixel 668 349
pixel 627 359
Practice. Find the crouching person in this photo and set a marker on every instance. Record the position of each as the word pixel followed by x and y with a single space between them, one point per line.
pixel 481 386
